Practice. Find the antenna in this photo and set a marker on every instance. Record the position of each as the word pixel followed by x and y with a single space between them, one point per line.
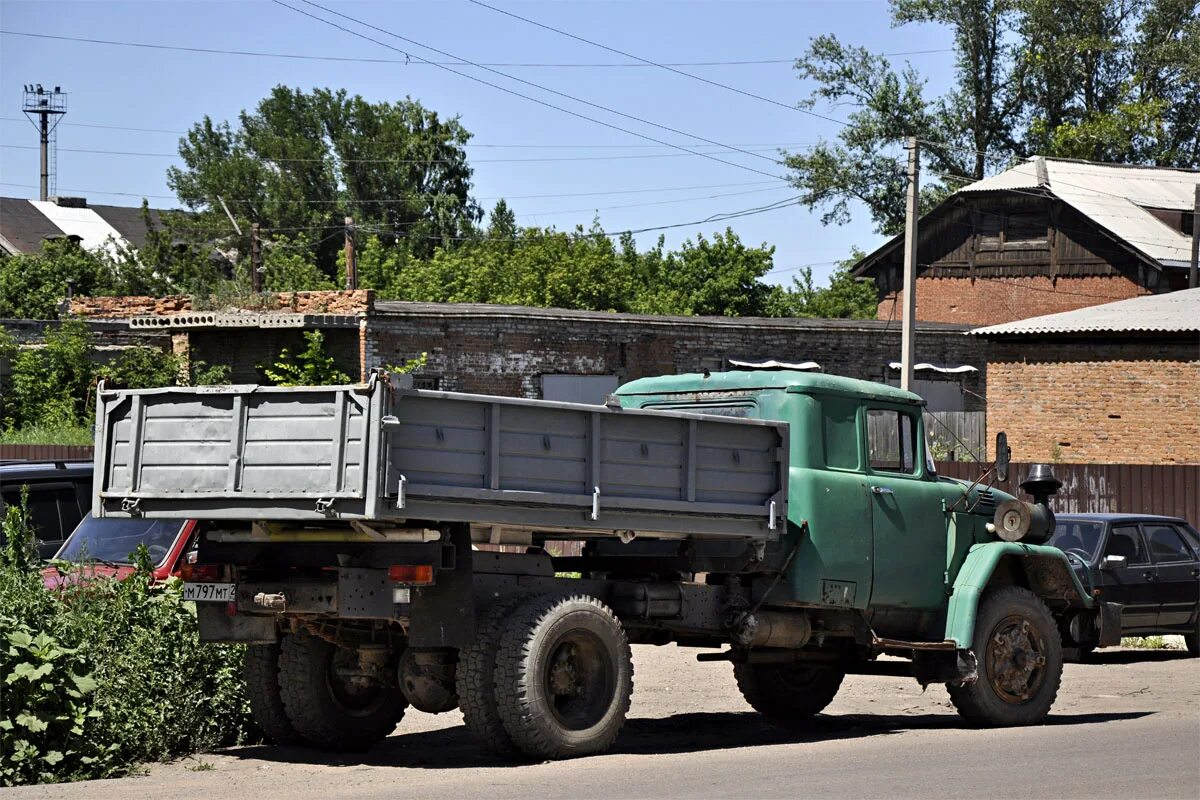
pixel 45 109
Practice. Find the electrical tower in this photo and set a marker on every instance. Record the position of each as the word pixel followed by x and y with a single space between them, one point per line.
pixel 45 109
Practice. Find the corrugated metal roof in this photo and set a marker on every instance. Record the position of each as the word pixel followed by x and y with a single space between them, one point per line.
pixel 1175 312
pixel 1113 196
pixel 26 224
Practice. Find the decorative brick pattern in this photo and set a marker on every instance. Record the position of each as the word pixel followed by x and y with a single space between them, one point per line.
pixel 1096 400
pixel 991 301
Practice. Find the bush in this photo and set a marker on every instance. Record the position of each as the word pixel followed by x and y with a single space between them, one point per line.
pixel 100 677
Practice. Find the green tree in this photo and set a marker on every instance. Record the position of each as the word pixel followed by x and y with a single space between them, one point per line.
pixel 1111 80
pixel 844 297
pixel 33 285
pixel 50 385
pixel 303 161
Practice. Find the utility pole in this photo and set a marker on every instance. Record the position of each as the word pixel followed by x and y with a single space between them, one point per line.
pixel 1194 272
pixel 351 266
pixel 43 105
pixel 255 260
pixel 910 268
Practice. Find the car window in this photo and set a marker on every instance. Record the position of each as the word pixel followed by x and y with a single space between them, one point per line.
pixel 114 540
pixel 1080 536
pixel 1125 540
pixel 891 441
pixel 1166 544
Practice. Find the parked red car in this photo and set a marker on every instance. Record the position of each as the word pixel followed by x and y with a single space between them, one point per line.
pixel 106 546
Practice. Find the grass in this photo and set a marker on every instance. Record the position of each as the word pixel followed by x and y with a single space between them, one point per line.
pixel 1152 642
pixel 49 434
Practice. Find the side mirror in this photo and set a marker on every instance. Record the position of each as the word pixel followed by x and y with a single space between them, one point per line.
pixel 1114 562
pixel 1003 456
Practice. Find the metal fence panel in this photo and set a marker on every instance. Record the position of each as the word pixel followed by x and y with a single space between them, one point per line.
pixel 1170 489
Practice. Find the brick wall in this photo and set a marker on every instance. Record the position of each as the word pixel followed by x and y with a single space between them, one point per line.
pixel 991 301
pixel 339 302
pixel 507 353
pixel 1096 400
pixel 244 349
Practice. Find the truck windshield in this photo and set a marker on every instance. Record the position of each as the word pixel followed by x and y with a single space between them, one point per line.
pixel 1083 537
pixel 115 540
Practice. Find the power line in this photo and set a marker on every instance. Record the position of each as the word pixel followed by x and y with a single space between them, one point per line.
pixel 531 159
pixel 417 196
pixel 535 85
pixel 667 67
pixel 550 213
pixel 409 62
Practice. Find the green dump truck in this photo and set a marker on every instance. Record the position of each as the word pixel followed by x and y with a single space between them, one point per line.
pixel 378 547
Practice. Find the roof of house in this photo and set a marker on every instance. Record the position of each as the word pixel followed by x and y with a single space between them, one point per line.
pixel 26 224
pixel 1114 196
pixel 1174 312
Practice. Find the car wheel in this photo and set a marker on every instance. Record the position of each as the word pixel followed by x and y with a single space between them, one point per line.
pixel 327 709
pixel 1020 657
pixel 564 676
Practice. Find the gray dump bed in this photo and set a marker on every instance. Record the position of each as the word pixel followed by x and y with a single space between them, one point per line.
pixel 371 452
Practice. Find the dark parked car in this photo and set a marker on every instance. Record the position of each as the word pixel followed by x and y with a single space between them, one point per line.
pixel 60 493
pixel 1148 564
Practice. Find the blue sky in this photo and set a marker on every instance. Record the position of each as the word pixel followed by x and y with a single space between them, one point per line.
pixel 170 90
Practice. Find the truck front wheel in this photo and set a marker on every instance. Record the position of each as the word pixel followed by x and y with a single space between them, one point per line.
pixel 330 709
pixel 1020 659
pixel 564 676
pixel 787 693
pixel 260 670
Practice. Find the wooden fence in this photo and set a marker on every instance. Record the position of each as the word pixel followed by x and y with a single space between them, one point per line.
pixel 46 452
pixel 1170 489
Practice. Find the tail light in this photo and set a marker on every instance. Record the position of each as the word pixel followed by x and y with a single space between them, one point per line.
pixel 411 574
pixel 200 573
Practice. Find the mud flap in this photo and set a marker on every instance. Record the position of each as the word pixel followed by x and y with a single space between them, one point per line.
pixel 217 626
pixel 443 615
pixel 1110 624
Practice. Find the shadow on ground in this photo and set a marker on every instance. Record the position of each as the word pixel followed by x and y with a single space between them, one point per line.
pixel 453 748
pixel 1134 656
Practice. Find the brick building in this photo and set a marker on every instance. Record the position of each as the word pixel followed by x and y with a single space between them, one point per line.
pixel 540 352
pixel 1047 236
pixel 1117 383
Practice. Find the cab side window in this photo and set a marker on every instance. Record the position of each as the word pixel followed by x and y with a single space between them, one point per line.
pixel 1125 540
pixel 891 441
pixel 1166 544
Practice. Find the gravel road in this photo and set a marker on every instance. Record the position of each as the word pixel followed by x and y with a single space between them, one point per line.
pixel 1126 726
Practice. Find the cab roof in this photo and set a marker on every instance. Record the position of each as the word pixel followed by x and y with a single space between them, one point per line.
pixel 750 380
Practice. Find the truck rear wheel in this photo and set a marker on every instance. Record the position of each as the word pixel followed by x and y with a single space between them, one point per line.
pixel 1020 657
pixel 787 693
pixel 260 670
pixel 564 676
pixel 476 683
pixel 327 708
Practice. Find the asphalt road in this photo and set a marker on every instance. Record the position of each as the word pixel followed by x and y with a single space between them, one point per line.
pixel 1125 727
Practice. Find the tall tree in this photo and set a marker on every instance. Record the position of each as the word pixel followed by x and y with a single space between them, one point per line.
pixel 303 161
pixel 1110 80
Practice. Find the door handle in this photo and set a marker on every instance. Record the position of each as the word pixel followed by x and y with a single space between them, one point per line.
pixel 881 490
pixel 1149 576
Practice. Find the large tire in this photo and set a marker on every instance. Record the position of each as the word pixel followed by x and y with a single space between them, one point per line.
pixel 476 680
pixel 323 707
pixel 787 694
pixel 564 677
pixel 260 670
pixel 1020 661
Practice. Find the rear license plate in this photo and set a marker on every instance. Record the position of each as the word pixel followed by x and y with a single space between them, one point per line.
pixel 210 592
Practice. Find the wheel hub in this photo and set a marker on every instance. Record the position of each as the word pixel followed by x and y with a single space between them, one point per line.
pixel 1016 659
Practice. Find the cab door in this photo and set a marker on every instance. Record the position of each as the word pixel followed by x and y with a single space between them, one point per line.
pixel 907 520
pixel 1178 576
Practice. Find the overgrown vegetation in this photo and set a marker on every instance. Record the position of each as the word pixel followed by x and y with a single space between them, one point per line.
pixel 49 390
pixel 311 366
pixel 102 675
